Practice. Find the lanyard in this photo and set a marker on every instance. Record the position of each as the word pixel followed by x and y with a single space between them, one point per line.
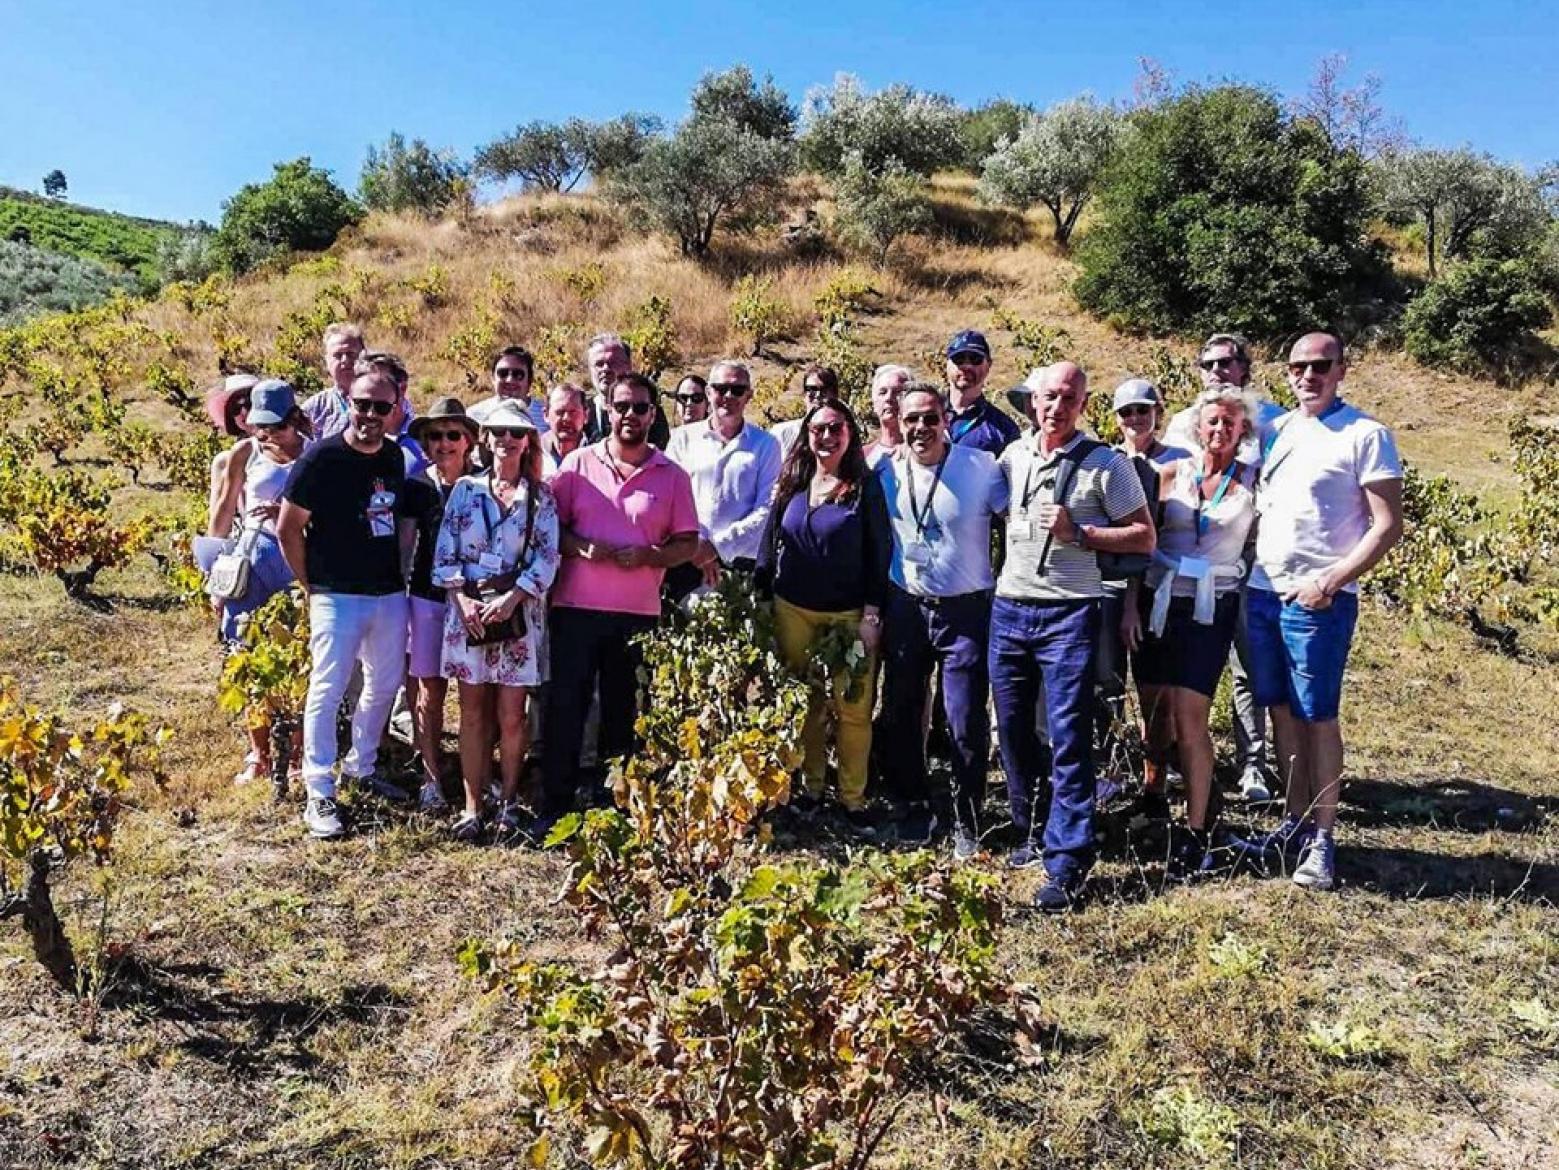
pixel 929 514
pixel 1270 465
pixel 1202 522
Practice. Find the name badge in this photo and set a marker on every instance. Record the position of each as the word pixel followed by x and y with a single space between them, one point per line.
pixel 918 552
pixel 491 562
pixel 1194 567
pixel 1025 530
pixel 381 514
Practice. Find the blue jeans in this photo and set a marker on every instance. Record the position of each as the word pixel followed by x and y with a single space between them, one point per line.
pixel 918 633
pixel 588 647
pixel 1298 654
pixel 1049 642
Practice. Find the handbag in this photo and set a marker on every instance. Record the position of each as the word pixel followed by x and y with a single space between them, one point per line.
pixel 490 588
pixel 229 576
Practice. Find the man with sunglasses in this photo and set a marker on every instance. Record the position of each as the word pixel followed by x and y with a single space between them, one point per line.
pixel 734 466
pixel 941 498
pixel 607 358
pixel 1071 499
pixel 975 420
pixel 347 530
pixel 818 384
pixel 627 514
pixel 330 410
pixel 692 400
pixel 1329 497
pixel 513 376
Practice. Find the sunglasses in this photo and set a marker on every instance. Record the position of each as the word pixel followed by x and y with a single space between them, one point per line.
pixel 968 359
pixel 814 390
pixel 373 406
pixel 626 408
pixel 926 418
pixel 1315 365
pixel 511 374
pixel 1218 363
pixel 821 429
pixel 507 432
pixel 443 436
pixel 692 399
pixel 1134 410
pixel 730 389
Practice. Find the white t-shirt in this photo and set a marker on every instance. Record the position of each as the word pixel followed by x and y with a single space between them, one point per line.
pixel 942 524
pixel 786 433
pixel 1310 495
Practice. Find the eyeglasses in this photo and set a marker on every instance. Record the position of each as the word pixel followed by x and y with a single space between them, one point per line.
pixel 692 399
pixel 819 430
pixel 1134 409
pixel 1218 363
pixel 927 418
pixel 968 359
pixel 512 374
pixel 626 408
pixel 508 432
pixel 730 389
pixel 1315 365
pixel 443 436
pixel 373 406
pixel 814 390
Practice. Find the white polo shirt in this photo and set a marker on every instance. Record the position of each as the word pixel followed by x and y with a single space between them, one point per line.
pixel 733 483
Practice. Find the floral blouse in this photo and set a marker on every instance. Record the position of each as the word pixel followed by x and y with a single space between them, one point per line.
pixel 475 526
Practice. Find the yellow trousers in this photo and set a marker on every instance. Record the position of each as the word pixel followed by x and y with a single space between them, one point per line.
pixel 795 628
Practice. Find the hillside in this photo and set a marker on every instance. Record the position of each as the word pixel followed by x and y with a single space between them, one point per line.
pixel 264 1002
pixel 122 242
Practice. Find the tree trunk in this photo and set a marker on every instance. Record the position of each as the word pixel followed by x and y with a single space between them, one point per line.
pixel 35 907
pixel 1429 239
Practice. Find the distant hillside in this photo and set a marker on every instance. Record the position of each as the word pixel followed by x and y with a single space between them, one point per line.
pixel 123 242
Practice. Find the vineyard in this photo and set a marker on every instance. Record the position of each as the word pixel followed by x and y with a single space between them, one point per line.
pixel 234 996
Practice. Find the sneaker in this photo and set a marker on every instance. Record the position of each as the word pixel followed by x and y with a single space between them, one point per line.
pixel 1192 857
pixel 380 785
pixel 1026 856
pixel 860 822
pixel 919 826
pixel 1253 788
pixel 431 801
pixel 966 846
pixel 804 806
pixel 400 728
pixel 1174 779
pixel 509 820
pixel 322 819
pixel 1058 895
pixel 1106 790
pixel 1317 868
pixel 467 827
pixel 1277 848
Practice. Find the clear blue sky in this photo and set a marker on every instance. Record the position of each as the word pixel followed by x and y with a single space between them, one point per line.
pixel 166 108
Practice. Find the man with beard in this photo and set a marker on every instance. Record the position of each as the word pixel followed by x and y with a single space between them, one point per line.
pixel 974 420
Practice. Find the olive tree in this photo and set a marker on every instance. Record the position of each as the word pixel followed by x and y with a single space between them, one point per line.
pixel 921 130
pixel 1055 159
pixel 1468 203
pixel 555 156
pixel 879 207
pixel 411 177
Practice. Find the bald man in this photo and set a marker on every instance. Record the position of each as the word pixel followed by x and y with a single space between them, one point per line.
pixel 1330 500
pixel 1071 498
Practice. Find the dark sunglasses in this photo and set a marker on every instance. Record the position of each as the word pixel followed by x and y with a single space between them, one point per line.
pixel 1134 409
pixel 968 359
pixel 730 389
pixel 439 436
pixel 814 390
pixel 511 374
pixel 625 408
pixel 692 399
pixel 373 406
pixel 1316 365
pixel 928 418
pixel 819 429
pixel 1218 363
pixel 508 432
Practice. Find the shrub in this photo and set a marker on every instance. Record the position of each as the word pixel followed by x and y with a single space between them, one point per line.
pixel 1221 213
pixel 651 334
pixel 299 209
pixel 878 207
pixel 1481 316
pixel 756 314
pixel 61 794
pixel 266 678
pixel 414 177
pixel 735 96
pixel 187 255
pixel 60 523
pixel 847 295
pixel 919 129
pixel 982 128
pixel 33 282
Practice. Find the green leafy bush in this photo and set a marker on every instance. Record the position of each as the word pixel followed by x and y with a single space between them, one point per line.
pixel 299 209
pixel 921 130
pixel 401 176
pixel 1481 316
pixel 33 282
pixel 756 314
pixel 878 207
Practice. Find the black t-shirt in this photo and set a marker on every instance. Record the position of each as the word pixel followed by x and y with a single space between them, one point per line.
pixel 354 501
pixel 426 503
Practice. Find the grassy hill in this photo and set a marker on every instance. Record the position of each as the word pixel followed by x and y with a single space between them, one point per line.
pixel 122 242
pixel 267 1002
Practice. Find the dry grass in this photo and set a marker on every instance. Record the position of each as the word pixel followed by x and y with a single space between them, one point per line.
pixel 274 1003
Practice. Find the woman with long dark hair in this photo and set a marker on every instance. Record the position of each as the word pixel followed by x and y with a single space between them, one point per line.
pixel 825 558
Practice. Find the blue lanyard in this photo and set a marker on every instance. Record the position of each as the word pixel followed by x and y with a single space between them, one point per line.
pixel 1202 522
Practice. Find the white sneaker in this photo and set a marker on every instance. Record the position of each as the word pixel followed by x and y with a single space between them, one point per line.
pixel 1253 788
pixel 1318 864
pixel 432 801
pixel 322 819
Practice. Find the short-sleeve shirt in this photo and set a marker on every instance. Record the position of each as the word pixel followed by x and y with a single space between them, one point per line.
pixel 1104 490
pixel 940 517
pixel 1310 495
pixel 982 424
pixel 354 501
pixel 595 503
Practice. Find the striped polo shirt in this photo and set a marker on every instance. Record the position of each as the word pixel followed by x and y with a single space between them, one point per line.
pixel 1104 491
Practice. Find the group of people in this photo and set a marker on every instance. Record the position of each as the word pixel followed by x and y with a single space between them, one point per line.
pixel 521 544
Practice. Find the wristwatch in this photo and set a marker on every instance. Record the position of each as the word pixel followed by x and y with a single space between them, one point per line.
pixel 1080 537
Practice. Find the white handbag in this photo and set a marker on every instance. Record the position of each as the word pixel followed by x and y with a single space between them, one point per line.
pixel 229 576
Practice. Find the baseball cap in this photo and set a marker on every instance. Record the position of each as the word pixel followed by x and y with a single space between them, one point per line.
pixel 1134 391
pixel 270 402
pixel 969 341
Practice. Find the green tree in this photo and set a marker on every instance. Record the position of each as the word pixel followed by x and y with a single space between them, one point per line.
pixel 921 130
pixel 1481 316
pixel 555 156
pixel 878 208
pixel 1221 212
pixel 735 96
pixel 299 209
pixel 54 184
pixel 414 177
pixel 1054 159
pixel 982 128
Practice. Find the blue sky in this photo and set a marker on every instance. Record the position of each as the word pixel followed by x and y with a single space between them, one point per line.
pixel 166 108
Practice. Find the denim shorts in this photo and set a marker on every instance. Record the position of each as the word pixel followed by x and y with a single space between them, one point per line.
pixel 1297 655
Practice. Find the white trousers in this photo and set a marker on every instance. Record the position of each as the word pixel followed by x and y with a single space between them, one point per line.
pixel 345 629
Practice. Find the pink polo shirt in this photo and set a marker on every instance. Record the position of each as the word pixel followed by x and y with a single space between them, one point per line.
pixel 649 507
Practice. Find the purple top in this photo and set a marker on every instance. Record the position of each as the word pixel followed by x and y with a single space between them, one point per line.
pixel 831 558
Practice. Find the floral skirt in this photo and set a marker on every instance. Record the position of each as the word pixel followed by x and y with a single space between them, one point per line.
pixel 519 662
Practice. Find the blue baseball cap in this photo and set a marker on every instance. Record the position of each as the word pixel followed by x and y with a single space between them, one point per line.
pixel 969 341
pixel 270 402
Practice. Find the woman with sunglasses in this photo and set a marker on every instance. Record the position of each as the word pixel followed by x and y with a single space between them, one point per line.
pixel 227 405
pixel 692 400
pixel 250 495
pixel 496 556
pixel 1180 620
pixel 825 559
pixel 448 437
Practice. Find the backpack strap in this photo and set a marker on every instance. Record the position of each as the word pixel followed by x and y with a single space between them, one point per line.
pixel 1072 461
